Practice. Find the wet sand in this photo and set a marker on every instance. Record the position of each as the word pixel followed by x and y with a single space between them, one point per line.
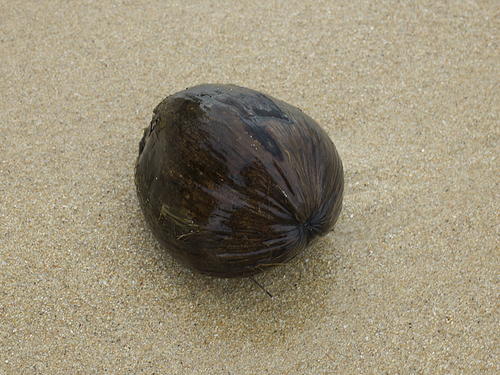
pixel 409 281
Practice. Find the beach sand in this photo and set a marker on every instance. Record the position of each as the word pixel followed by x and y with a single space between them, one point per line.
pixel 409 281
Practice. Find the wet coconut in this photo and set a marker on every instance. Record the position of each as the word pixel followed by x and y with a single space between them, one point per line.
pixel 233 182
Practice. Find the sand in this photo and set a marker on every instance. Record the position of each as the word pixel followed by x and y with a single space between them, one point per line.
pixel 409 281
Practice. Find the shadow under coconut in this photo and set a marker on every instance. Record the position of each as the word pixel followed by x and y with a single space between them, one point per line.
pixel 238 307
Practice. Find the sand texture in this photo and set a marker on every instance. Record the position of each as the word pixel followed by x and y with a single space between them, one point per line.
pixel 409 281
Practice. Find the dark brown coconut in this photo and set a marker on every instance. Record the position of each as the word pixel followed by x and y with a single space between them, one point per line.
pixel 233 182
